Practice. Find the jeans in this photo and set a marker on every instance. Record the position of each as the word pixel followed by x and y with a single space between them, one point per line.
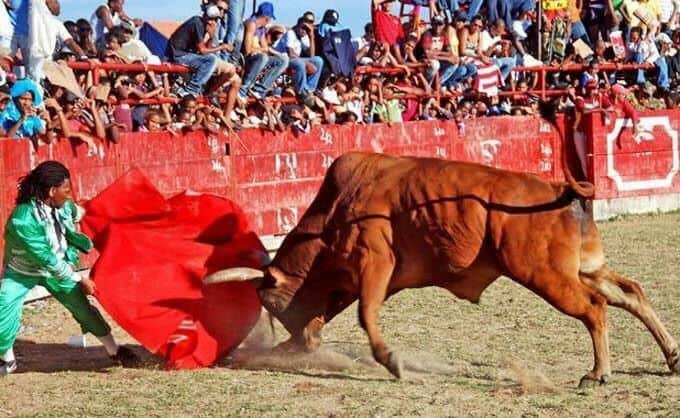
pixel 505 64
pixel 305 83
pixel 235 15
pixel 661 65
pixel 449 7
pixel 578 31
pixel 271 67
pixel 452 74
pixel 202 69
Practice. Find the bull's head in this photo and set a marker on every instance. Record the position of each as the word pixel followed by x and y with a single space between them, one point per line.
pixel 295 302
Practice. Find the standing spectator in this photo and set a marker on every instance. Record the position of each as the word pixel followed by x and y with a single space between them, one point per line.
pixel 599 18
pixel 263 63
pixel 6 28
pixel 109 15
pixel 46 34
pixel 300 45
pixel 18 14
pixel 235 15
pixel 328 24
pixel 387 27
pixel 186 46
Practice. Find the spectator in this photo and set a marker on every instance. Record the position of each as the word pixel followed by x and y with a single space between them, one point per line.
pixel 18 14
pixel 263 64
pixel 133 49
pixel 599 17
pixel 85 38
pixel 643 51
pixel 187 47
pixel 20 118
pixel 109 15
pixel 441 58
pixel 491 45
pixel 590 102
pixel 48 33
pixel 300 45
pixel 388 29
pixel 329 22
pixel 235 15
pixel 6 28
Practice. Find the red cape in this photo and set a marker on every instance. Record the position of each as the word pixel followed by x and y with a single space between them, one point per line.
pixel 154 253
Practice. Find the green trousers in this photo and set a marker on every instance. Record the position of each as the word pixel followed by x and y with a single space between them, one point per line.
pixel 13 290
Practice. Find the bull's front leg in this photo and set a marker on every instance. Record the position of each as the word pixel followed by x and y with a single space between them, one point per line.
pixel 376 268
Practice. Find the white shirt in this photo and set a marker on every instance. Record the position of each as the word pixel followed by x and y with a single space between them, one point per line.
pixel 98 24
pixel 647 50
pixel 6 27
pixel 488 41
pixel 290 40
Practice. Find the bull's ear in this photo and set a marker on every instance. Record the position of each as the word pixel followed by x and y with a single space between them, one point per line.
pixel 236 274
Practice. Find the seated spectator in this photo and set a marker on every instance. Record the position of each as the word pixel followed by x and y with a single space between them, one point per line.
pixel 109 15
pixel 434 46
pixel 300 45
pixel 20 119
pixel 187 47
pixel 329 23
pixel 643 51
pixel 491 45
pixel 133 49
pixel 263 63
pixel 85 38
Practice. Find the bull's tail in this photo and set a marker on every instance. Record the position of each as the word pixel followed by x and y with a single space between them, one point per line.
pixel 582 188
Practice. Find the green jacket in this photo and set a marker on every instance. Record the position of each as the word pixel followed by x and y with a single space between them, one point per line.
pixel 28 249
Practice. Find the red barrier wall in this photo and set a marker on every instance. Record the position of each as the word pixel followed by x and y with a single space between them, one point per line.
pixel 275 176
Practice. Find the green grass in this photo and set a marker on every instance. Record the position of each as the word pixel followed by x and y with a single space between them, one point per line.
pixel 511 355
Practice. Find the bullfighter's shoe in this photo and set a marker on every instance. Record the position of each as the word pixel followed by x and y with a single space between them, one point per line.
pixel 7 367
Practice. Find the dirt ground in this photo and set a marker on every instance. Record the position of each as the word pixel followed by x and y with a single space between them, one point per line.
pixel 511 355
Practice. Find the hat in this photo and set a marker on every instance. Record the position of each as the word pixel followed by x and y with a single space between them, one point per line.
pixel 438 20
pixel 662 38
pixel 619 89
pixel 213 12
pixel 266 9
pixel 24 86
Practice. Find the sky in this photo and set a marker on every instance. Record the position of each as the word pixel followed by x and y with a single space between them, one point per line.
pixel 353 13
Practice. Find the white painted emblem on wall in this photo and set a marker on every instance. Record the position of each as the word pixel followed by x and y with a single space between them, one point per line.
pixel 326 162
pixel 440 152
pixel 632 185
pixel 286 218
pixel 489 150
pixel 439 132
pixel 546 164
pixel 286 165
pixel 326 137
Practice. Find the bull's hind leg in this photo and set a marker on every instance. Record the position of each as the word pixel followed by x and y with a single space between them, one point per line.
pixel 574 298
pixel 627 294
pixel 375 271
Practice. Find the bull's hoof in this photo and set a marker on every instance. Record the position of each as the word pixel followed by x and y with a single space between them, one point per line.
pixel 674 362
pixel 395 365
pixel 588 381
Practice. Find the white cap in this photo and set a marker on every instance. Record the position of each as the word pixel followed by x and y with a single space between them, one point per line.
pixel 213 11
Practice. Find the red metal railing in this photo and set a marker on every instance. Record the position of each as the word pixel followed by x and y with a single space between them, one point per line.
pixel 169 68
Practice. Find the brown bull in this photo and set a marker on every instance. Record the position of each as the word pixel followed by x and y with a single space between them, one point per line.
pixel 380 224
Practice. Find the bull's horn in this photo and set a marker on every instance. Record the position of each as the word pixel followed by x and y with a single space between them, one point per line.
pixel 237 274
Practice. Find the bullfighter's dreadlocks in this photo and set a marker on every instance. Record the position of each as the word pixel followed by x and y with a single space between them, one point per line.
pixel 37 184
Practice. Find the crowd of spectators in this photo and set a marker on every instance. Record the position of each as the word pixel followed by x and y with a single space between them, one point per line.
pixel 427 59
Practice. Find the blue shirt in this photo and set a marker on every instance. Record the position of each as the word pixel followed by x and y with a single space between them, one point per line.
pixel 31 127
pixel 19 16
